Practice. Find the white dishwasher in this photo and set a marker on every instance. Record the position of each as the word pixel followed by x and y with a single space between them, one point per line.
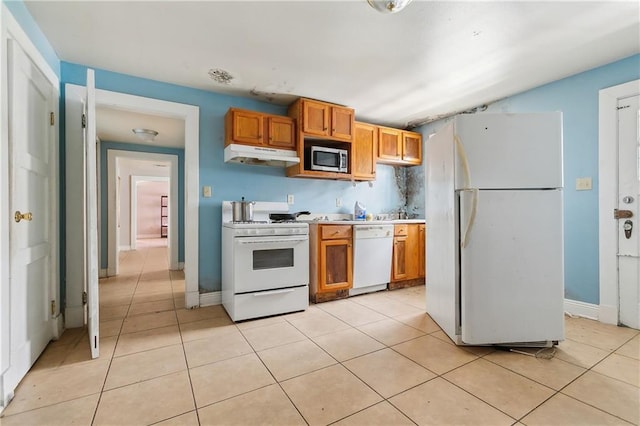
pixel 372 250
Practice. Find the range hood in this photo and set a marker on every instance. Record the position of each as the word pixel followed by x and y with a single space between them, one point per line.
pixel 256 155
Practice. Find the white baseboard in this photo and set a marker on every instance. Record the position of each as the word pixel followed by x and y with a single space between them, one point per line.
pixel 74 316
pixel 58 326
pixel 211 298
pixel 124 248
pixel 192 299
pixel 177 266
pixel 102 273
pixel 608 314
pixel 147 236
pixel 581 309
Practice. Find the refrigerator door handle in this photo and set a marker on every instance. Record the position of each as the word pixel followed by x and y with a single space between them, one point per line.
pixel 465 162
pixel 472 217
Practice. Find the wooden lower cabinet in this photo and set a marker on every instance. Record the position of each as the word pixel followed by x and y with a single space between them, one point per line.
pixel 408 265
pixel 330 262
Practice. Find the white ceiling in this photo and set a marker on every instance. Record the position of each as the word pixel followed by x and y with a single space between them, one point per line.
pixel 431 59
pixel 117 126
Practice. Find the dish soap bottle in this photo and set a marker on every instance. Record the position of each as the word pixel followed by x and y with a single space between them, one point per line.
pixel 359 211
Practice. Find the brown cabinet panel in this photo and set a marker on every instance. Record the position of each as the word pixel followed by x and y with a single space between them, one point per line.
pixel 408 259
pixel 399 266
pixel 335 265
pixel 389 144
pixel 364 151
pixel 422 234
pixel 247 127
pixel 315 118
pixel 412 147
pixel 342 123
pixel 281 132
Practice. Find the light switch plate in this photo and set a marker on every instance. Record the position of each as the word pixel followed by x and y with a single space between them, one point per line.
pixel 206 191
pixel 583 184
pixel 290 199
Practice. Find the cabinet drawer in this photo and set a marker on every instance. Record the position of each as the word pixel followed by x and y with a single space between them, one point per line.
pixel 330 232
pixel 401 229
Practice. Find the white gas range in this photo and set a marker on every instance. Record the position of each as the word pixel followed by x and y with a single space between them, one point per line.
pixel 265 265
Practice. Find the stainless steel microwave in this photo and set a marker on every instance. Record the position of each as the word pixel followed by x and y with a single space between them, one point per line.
pixel 327 159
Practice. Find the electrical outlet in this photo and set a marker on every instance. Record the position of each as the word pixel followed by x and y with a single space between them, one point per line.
pixel 206 191
pixel 583 184
pixel 290 199
pixel 338 202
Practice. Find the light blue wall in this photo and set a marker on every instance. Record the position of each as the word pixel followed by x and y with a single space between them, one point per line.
pixel 232 181
pixel 105 146
pixel 577 98
pixel 27 23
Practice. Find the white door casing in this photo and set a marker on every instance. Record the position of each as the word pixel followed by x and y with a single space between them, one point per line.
pixel 190 115
pixel 91 218
pixel 609 228
pixel 628 195
pixel 33 269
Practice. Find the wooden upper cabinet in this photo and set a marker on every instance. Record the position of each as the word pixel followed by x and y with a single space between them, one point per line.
pixel 325 120
pixel 247 127
pixel 315 118
pixel 342 123
pixel 389 144
pixel 282 132
pixel 412 147
pixel 255 128
pixel 399 147
pixel 364 151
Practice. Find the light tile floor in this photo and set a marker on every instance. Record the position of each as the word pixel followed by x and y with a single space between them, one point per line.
pixel 371 359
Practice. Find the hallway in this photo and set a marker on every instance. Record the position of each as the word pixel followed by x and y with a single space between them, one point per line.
pixel 371 359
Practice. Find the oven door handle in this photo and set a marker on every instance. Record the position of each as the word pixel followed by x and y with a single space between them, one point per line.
pixel 271 240
pixel 269 293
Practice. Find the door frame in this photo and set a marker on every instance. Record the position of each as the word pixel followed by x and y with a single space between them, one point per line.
pixel 11 29
pixel 609 309
pixel 133 215
pixel 112 229
pixel 190 115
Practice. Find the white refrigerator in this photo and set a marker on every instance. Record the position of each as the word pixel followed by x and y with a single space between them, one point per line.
pixel 495 264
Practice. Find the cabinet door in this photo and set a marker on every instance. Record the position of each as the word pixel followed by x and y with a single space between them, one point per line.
pixel 364 152
pixel 248 127
pixel 281 132
pixel 422 234
pixel 412 147
pixel 315 118
pixel 389 144
pixel 399 270
pixel 342 123
pixel 335 265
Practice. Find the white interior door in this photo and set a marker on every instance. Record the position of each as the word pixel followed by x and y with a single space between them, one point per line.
pixel 31 101
pixel 628 201
pixel 91 218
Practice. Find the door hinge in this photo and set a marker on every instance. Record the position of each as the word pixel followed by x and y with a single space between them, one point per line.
pixel 623 107
pixel 84 121
pixel 84 297
pixel 53 307
pixel 52 118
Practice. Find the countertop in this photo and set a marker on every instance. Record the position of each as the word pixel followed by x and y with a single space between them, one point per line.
pixel 362 222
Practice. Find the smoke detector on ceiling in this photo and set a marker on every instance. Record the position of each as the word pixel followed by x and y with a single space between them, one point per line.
pixel 220 76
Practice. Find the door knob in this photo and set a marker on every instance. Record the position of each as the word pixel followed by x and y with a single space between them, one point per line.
pixel 627 227
pixel 23 216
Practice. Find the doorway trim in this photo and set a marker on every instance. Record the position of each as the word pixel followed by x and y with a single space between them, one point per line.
pixel 190 114
pixel 133 223
pixel 113 236
pixel 607 178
